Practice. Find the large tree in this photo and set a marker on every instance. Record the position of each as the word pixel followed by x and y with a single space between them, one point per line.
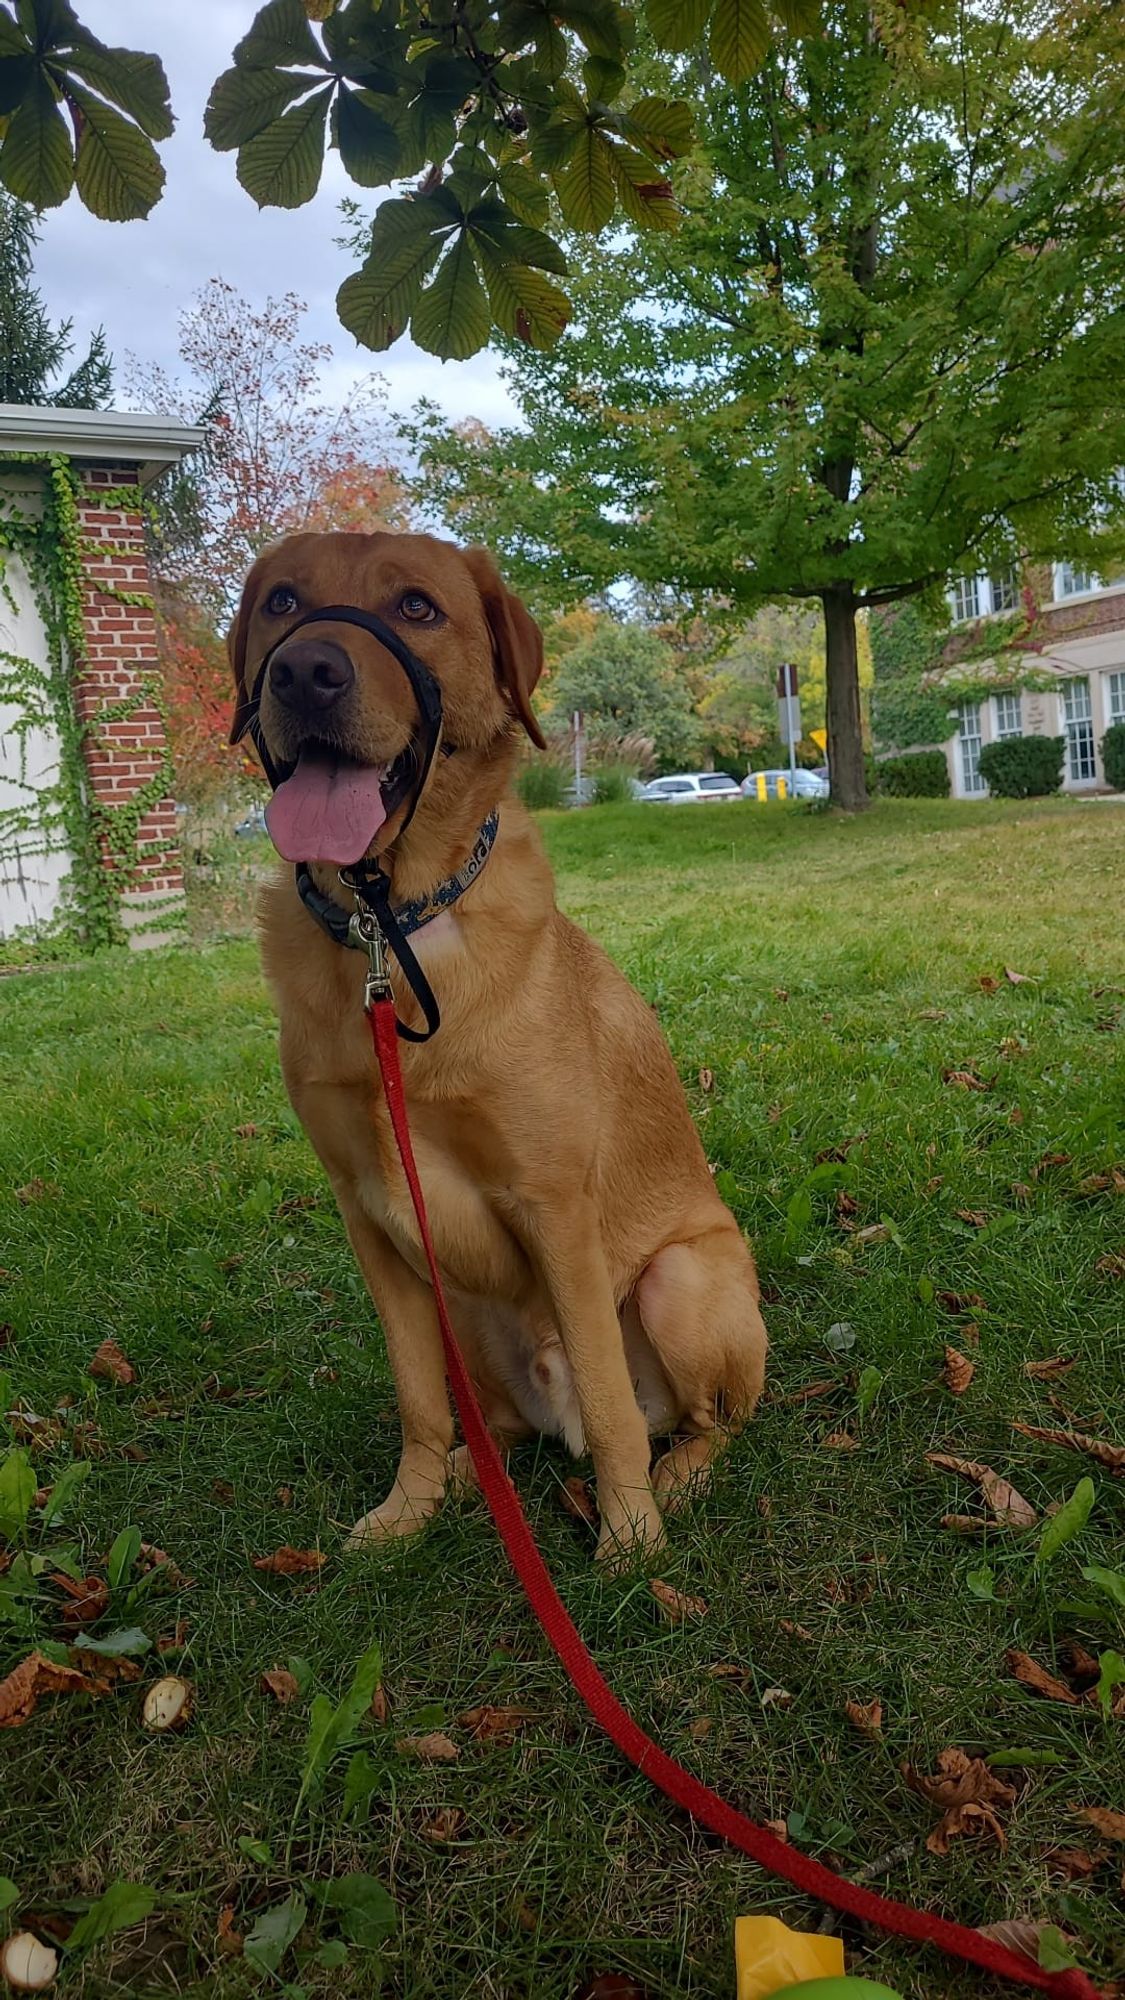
pixel 277 457
pixel 32 351
pixel 887 341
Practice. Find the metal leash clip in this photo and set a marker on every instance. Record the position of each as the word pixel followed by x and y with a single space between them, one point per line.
pixel 365 935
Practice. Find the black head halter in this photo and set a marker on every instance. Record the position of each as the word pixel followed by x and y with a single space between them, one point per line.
pixel 366 879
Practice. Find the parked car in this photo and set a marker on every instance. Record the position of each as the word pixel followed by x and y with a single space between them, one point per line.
pixel 254 822
pixel 691 788
pixel 803 784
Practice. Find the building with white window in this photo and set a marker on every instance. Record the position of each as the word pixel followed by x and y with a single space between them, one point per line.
pixel 1074 662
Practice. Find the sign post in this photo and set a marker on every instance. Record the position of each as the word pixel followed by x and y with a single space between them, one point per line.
pixel 789 717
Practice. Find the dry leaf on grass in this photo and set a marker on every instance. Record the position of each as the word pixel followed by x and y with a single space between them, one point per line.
pixel 707 1080
pixel 840 1441
pixel 1112 1456
pixel 443 1825
pixel 283 1685
pixel 1104 1820
pixel 779 1829
pixel 866 1716
pixel 37 1676
pixel 793 1631
pixel 964 1079
pixel 958 1371
pixel 36 1189
pixel 1046 1161
pixel 1074 1863
pixel 988 982
pixel 1009 1508
pixel 823 1387
pixel 1031 1675
pixel 875 1232
pixel 956 1303
pixel 968 1795
pixel 380 1707
pixel 1056 1364
pixel 700 1729
pixel 86 1601
pixel 975 1217
pixel 284 1496
pixel 287 1561
pixel 495 1725
pixel 674 1605
pixel 228 1941
pixel 576 1499
pixel 966 1524
pixel 108 1364
pixel 1101 1183
pixel 846 1207
pixel 246 1131
pixel 175 1641
pixel 1112 1265
pixel 776 1697
pixel 437 1748
pixel 1019 978
pixel 1021 1934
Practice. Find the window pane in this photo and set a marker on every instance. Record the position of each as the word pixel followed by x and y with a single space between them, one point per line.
pixel 1069 581
pixel 1115 706
pixel 965 598
pixel 1078 728
pixel 1009 716
pixel 1005 589
pixel 969 727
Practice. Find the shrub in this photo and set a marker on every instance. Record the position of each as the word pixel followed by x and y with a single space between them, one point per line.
pixel 921 774
pixel 1023 767
pixel 541 783
pixel 1113 756
pixel 613 784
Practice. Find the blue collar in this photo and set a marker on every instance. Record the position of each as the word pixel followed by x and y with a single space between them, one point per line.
pixel 411 916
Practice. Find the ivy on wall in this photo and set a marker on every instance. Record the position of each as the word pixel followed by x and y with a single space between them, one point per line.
pixel 102 839
pixel 923 667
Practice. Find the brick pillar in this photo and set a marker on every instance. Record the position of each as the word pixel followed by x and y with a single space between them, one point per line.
pixel 125 754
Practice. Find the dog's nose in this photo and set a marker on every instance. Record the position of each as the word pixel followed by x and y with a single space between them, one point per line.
pixel 310 675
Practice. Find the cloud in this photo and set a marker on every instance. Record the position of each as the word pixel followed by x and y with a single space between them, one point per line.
pixel 135 278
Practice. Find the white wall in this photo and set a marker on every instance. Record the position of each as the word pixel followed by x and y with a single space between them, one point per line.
pixel 34 865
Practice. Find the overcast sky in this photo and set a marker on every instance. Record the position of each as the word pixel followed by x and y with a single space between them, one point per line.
pixel 135 278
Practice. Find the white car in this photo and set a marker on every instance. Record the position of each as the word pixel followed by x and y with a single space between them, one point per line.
pixel 803 785
pixel 692 788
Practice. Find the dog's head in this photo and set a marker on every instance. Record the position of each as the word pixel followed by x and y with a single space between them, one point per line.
pixel 336 708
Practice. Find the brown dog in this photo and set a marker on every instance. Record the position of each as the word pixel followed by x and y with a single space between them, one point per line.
pixel 601 1290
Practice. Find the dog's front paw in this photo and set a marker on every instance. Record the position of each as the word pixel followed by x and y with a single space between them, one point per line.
pixel 401 1513
pixel 632 1531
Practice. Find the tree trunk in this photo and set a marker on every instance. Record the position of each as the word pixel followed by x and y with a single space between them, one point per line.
pixel 845 727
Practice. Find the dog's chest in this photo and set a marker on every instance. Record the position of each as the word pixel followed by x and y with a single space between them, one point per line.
pixel 474 1246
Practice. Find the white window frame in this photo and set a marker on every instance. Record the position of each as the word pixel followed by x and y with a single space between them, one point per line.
pixel 1114 698
pixel 1077 712
pixel 988 594
pixel 969 744
pixel 1070 581
pixel 1004 724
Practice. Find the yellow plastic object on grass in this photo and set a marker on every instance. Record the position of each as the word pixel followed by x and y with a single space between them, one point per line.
pixel 768 1957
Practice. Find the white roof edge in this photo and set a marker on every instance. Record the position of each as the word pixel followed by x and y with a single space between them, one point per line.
pixel 151 443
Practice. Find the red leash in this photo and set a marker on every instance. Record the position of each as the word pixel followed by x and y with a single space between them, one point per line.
pixel 677 1783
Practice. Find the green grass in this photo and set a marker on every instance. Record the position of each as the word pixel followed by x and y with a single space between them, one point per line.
pixel 826 973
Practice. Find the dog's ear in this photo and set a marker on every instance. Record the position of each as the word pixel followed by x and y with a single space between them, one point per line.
pixel 517 642
pixel 236 649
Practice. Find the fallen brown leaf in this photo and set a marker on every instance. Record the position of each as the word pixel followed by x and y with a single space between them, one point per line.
pixel 437 1748
pixel 1009 1508
pixel 37 1676
pixel 1104 1820
pixel 175 1641
pixel 279 1682
pixel 1022 1193
pixel 968 1796
pixel 840 1441
pixel 776 1697
pixel 1015 1115
pixel 728 1670
pixel 707 1080
pixel 1073 1863
pixel 36 1189
pixel 700 1729
pixel 674 1606
pixel 495 1725
pixel 108 1364
pixel 988 982
pixel 780 1830
pixel 1031 1675
pixel 765 1506
pixel 284 1496
pixel 1079 1666
pixel 824 1387
pixel 875 1232
pixel 443 1825
pixel 866 1716
pixel 1019 978
pixel 1112 1265
pixel 793 1631
pixel 1101 1183
pixel 576 1499
pixel 1057 1364
pixel 246 1131
pixel 958 1371
pixel 846 1207
pixel 970 1332
pixel 966 1524
pixel 964 1079
pixel 287 1561
pixel 1112 1456
pixel 104 1669
pixel 228 1941
pixel 1020 1934
pixel 380 1707
pixel 955 1303
pixel 1046 1161
pixel 86 1601
pixel 975 1217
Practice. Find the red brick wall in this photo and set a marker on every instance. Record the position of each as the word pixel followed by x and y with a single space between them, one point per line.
pixel 124 755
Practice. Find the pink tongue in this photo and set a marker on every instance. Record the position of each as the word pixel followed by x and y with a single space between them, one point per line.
pixel 329 810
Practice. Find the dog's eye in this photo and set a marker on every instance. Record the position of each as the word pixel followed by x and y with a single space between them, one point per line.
pixel 413 605
pixel 281 601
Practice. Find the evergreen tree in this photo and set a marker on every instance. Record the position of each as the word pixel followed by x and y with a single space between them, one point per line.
pixel 32 351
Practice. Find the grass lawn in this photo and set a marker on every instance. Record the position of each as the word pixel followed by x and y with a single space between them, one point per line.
pixel 155 1189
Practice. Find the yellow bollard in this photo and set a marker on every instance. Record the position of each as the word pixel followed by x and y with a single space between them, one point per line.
pixel 761 786
pixel 783 788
